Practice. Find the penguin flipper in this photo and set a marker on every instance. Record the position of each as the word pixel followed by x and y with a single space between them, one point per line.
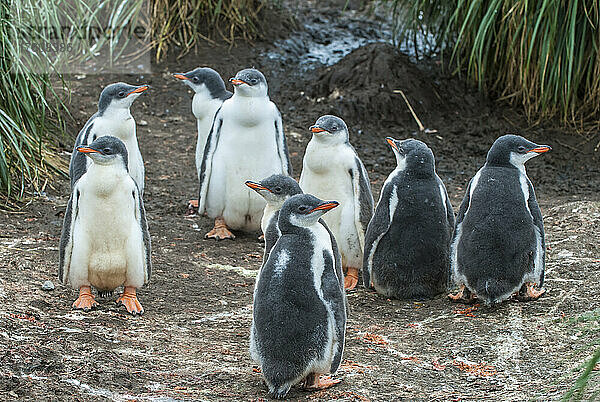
pixel 337 257
pixel 538 221
pixel 449 211
pixel 334 294
pixel 363 198
pixel 206 167
pixel 377 228
pixel 142 221
pixel 66 240
pixel 282 148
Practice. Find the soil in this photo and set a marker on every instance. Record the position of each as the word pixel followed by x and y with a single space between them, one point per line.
pixel 191 344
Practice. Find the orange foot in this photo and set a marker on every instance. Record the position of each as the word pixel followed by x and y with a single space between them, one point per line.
pixel 85 301
pixel 261 237
pixel 314 381
pixel 130 301
pixel 220 231
pixel 350 278
pixel 529 292
pixel 464 295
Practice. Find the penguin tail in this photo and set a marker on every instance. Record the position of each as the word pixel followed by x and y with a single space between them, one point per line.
pixel 492 290
pixel 279 392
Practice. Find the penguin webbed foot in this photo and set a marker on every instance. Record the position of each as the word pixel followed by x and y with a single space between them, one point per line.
pixel 464 296
pixel 192 208
pixel 85 301
pixel 350 278
pixel 315 381
pixel 129 299
pixel 220 231
pixel 529 292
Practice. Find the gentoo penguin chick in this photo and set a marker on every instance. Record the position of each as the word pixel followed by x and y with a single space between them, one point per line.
pixel 331 169
pixel 246 140
pixel 209 94
pixel 299 320
pixel 112 118
pixel 407 244
pixel 275 189
pixel 498 246
pixel 105 241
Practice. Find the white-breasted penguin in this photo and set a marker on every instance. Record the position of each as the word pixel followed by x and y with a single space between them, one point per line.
pixel 105 241
pixel 246 140
pixel 498 246
pixel 407 244
pixel 209 94
pixel 331 169
pixel 299 316
pixel 112 118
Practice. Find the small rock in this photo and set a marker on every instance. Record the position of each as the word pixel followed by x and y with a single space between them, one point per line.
pixel 47 285
pixel 143 123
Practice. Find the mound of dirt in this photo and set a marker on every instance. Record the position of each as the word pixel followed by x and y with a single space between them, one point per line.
pixel 366 82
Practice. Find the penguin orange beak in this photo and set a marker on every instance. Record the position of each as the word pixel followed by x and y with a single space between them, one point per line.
pixel 87 150
pixel 256 186
pixel 541 149
pixel 139 89
pixel 180 76
pixel 316 129
pixel 236 81
pixel 390 141
pixel 326 206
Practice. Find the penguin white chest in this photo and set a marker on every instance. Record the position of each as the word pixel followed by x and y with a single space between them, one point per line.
pixel 326 174
pixel 107 238
pixel 246 148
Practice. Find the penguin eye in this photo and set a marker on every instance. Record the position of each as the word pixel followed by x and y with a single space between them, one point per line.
pixel 334 128
pixel 121 94
pixel 107 151
pixel 521 149
pixel 253 81
pixel 195 79
pixel 277 189
pixel 302 208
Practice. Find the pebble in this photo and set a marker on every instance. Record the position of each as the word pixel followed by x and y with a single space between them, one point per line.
pixel 143 123
pixel 47 285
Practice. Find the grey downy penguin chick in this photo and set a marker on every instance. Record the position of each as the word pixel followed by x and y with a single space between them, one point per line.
pixel 407 245
pixel 331 169
pixel 246 140
pixel 105 241
pixel 498 247
pixel 275 189
pixel 112 118
pixel 209 94
pixel 299 315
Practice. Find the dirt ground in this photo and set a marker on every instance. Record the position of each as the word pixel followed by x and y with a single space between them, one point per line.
pixel 192 342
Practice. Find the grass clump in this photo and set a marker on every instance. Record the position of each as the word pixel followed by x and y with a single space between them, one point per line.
pixel 543 54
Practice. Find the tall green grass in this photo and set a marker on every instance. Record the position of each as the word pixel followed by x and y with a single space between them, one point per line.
pixel 543 54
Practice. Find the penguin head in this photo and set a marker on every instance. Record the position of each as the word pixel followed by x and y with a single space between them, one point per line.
pixel 119 96
pixel 250 82
pixel 330 129
pixel 203 79
pixel 106 150
pixel 513 150
pixel 276 188
pixel 412 155
pixel 303 210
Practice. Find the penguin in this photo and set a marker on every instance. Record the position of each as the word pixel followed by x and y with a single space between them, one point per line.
pixel 209 94
pixel 275 189
pixel 407 244
pixel 299 315
pixel 112 118
pixel 499 246
pixel 105 241
pixel 331 169
pixel 246 140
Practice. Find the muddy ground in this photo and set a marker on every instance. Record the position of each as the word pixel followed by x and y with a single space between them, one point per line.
pixel 192 342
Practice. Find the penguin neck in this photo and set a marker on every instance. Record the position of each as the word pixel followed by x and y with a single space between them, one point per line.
pixel 503 163
pixel 421 171
pixel 104 178
pixel 250 111
pixel 204 104
pixel 270 209
pixel 116 113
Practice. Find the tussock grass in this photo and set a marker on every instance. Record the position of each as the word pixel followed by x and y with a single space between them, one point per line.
pixel 184 23
pixel 543 54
